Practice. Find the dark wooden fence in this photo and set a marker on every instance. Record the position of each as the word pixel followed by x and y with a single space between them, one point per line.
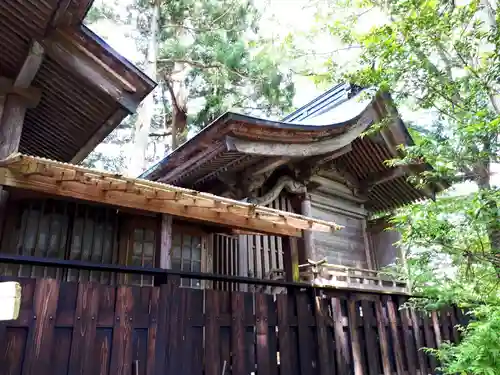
pixel 92 329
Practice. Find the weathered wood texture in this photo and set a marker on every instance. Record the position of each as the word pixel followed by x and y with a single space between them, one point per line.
pixel 69 328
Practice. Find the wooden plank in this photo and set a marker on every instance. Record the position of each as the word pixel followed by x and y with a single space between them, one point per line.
pixel 178 351
pixel 409 342
pixel 419 341
pixel 84 331
pixel 121 351
pixel 238 333
pixel 152 330
pixel 429 342
pixel 212 345
pixel 396 341
pixel 341 347
pixel 454 323
pixel 272 323
pixel 262 334
pixel 162 329
pixel 304 321
pixel 266 254
pixel 325 366
pixel 195 346
pixel 286 349
pixel 259 271
pixel 436 327
pixel 352 313
pixel 370 337
pixel 40 340
pixel 383 339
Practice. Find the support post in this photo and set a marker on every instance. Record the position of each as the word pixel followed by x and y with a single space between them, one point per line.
pixel 309 251
pixel 15 97
pixel 165 241
pixel 291 258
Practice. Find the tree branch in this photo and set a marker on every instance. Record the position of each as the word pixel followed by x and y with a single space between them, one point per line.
pixel 201 65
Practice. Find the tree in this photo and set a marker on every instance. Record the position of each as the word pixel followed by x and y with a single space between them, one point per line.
pixel 209 59
pixel 440 57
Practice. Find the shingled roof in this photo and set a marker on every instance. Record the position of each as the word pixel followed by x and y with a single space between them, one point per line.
pixel 328 128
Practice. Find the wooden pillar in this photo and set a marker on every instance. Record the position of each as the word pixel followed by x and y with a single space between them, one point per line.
pixel 165 241
pixel 368 248
pixel 15 97
pixel 291 258
pixel 309 251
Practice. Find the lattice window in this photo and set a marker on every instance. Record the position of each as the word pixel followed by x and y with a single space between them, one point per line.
pixel 62 230
pixel 141 253
pixel 187 255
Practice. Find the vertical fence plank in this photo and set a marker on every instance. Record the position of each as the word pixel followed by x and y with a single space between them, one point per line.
pixel 238 333
pixel 304 321
pixel 436 327
pixel 84 329
pixel 352 313
pixel 40 340
pixel 370 338
pixel 454 325
pixel 121 350
pixel 212 335
pixel 409 342
pixel 287 352
pixel 396 341
pixel 262 334
pixel 419 341
pixel 429 341
pixel 152 331
pixel 383 339
pixel 341 347
pixel 162 330
pixel 325 365
pixel 178 352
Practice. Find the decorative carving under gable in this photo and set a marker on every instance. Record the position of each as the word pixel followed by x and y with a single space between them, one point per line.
pixel 284 182
pixel 350 180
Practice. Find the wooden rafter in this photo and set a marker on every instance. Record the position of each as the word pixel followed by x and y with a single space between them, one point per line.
pixel 67 180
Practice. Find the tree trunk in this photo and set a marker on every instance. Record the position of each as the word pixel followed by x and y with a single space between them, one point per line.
pixel 137 162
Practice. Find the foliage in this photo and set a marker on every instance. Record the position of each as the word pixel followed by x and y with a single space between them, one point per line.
pixel 227 64
pixel 440 57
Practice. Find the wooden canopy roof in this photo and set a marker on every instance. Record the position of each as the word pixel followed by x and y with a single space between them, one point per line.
pixel 246 146
pixel 86 88
pixel 72 181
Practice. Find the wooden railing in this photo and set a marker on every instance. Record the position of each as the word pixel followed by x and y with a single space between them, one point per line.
pixel 324 274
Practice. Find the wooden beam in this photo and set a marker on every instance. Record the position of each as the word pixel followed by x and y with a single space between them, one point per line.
pixel 383 177
pixel 357 126
pixel 70 55
pixel 30 95
pixel 30 66
pixel 92 193
pixel 265 166
pixel 99 135
pixel 193 162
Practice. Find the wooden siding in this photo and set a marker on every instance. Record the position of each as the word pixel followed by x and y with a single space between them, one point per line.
pixel 68 328
pixel 344 247
pixel 382 242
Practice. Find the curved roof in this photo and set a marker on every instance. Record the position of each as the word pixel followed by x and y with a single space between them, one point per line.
pixel 236 143
pixel 87 88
